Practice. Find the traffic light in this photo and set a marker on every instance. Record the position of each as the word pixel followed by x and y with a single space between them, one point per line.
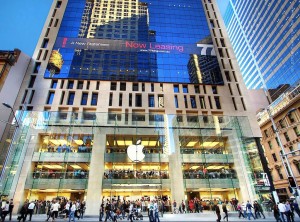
pixel 292 182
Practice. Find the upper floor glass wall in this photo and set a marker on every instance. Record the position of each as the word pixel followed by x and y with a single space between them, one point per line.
pixel 150 40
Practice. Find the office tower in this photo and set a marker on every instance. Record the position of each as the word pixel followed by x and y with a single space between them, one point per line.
pixel 265 39
pixel 114 113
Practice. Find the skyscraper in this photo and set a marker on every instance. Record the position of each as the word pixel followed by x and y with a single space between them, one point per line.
pixel 265 39
pixel 113 111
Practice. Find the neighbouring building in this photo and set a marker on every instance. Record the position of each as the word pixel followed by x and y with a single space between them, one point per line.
pixel 135 100
pixel 286 114
pixel 265 38
pixel 13 66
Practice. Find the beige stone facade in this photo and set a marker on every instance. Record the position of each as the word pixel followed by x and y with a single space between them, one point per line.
pixel 199 149
pixel 286 115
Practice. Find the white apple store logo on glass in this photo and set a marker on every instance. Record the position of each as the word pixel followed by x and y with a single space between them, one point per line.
pixel 135 152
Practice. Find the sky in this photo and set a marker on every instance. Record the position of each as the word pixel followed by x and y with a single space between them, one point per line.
pixel 21 23
pixel 222 4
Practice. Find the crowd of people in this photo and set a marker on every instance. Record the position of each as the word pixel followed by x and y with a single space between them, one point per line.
pixel 136 174
pixel 57 208
pixel 283 211
pixel 51 174
pixel 209 174
pixel 117 209
pixel 131 210
pixel 68 149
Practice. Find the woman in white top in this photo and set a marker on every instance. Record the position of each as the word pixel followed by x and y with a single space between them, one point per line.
pixel 72 212
pixel 54 208
pixel 5 211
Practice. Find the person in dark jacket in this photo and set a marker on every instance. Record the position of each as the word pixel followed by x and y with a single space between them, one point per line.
pixel 276 213
pixel 224 208
pixel 23 212
pixel 11 207
pixel 218 212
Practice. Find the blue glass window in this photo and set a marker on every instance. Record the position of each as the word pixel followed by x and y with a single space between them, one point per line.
pixel 71 98
pixel 50 98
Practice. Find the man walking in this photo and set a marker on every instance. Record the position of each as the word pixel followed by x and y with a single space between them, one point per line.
pixel 72 212
pixel 218 212
pixel 11 207
pixel 102 211
pixel 224 207
pixel 249 210
pixel 5 211
pixel 30 210
pixel 156 210
pixel 282 210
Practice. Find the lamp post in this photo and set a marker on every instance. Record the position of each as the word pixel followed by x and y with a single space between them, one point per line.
pixel 283 155
pixel 8 106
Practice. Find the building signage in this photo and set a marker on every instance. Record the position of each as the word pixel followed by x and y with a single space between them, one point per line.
pixel 135 152
pixel 134 46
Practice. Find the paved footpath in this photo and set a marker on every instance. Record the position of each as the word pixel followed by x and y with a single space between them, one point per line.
pixel 206 216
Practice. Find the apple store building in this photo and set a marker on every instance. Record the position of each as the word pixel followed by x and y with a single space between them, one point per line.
pixel 91 156
pixel 134 100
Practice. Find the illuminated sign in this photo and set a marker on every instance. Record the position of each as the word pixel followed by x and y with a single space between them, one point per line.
pixel 135 152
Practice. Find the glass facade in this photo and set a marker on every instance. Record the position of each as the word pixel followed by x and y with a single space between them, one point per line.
pixel 265 41
pixel 208 157
pixel 135 41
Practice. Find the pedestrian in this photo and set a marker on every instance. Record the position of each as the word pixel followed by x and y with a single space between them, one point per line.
pixel 276 213
pixel 239 209
pixel 11 207
pixel 174 207
pixel 151 209
pixel 256 210
pixel 101 211
pixel 156 210
pixel 288 212
pixel 108 211
pixel 162 208
pixel 296 208
pixel 249 210
pixel 82 209
pixel 23 212
pixel 5 211
pixel 218 212
pixel 282 210
pixel 183 207
pixel 54 209
pixel 72 212
pixel 260 210
pixel 30 210
pixel 224 208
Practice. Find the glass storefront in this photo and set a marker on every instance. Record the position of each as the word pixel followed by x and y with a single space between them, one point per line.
pixel 177 157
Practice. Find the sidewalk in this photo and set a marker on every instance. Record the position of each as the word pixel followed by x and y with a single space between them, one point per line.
pixel 206 216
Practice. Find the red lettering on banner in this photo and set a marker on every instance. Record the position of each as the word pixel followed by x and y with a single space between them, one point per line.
pixel 135 45
pixel 64 42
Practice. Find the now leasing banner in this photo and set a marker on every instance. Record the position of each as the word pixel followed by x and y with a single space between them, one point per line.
pixel 134 46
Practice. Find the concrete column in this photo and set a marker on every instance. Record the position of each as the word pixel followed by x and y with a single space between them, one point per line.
pixel 94 189
pixel 175 165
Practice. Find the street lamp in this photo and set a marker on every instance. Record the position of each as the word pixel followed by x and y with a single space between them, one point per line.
pixel 8 106
pixel 284 158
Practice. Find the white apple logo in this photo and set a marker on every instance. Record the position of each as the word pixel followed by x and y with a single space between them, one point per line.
pixel 135 152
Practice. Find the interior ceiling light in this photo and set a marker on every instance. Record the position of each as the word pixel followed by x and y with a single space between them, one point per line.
pixel 192 143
